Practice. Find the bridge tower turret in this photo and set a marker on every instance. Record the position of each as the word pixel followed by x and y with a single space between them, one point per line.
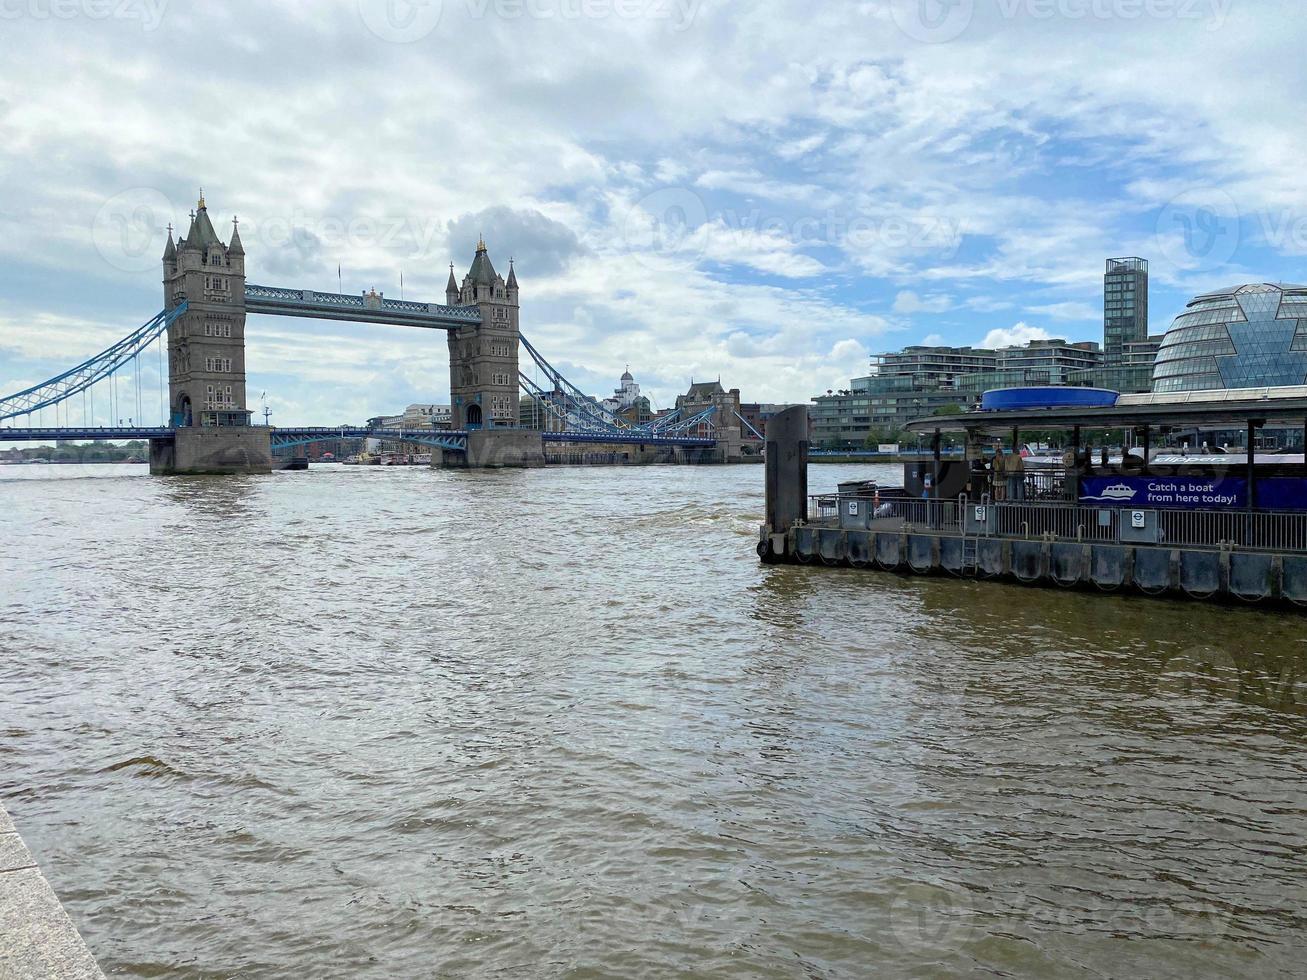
pixel 451 288
pixel 206 355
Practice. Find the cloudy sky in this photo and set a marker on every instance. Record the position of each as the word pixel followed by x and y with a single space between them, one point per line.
pixel 769 192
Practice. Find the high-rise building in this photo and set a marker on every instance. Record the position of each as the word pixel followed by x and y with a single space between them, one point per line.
pixel 1125 307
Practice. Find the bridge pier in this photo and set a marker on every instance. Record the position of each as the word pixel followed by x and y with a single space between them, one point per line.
pixel 212 450
pixel 495 449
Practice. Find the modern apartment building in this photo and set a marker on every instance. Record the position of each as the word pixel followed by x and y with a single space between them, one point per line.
pixel 1039 362
pixel 1125 307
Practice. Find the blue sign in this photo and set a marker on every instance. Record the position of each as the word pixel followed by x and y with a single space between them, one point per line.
pixel 1182 492
pixel 1282 493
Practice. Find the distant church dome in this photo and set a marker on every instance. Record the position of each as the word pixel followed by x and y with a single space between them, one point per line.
pixel 1249 336
pixel 626 376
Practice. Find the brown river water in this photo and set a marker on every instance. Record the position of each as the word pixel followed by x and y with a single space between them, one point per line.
pixel 367 723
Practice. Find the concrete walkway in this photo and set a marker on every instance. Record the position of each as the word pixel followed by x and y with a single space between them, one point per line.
pixel 37 939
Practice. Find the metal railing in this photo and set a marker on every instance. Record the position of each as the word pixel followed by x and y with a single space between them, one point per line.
pixel 1277 531
pixel 889 512
pixel 1044 483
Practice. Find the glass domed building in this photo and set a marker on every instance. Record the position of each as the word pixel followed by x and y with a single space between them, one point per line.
pixel 1250 336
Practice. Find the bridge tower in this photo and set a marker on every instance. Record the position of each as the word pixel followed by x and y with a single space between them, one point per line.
pixel 206 357
pixel 483 380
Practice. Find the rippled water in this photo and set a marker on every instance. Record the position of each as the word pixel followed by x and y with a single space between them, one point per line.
pixel 374 723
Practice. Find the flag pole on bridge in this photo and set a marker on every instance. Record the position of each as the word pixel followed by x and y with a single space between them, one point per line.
pixel 339 287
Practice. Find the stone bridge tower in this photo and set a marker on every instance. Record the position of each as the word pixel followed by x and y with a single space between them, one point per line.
pixel 206 357
pixel 483 383
pixel 483 357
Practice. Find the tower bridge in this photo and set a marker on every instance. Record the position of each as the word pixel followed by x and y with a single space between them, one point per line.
pixel 208 428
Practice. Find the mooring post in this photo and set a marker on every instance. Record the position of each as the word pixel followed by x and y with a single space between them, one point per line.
pixel 787 477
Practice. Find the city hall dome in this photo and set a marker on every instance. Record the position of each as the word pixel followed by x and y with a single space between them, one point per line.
pixel 1249 336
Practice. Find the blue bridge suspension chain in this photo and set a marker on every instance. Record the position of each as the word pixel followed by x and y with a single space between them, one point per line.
pixel 81 378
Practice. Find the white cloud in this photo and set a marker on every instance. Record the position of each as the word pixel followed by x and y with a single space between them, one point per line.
pixel 909 302
pixel 1016 335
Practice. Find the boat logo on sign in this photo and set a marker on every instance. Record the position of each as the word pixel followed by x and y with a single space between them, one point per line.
pixel 1118 491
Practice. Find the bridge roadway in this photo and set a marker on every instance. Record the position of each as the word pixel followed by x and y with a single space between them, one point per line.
pixel 366 307
pixel 300 436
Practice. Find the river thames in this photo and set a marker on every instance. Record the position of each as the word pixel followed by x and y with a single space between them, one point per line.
pixel 364 722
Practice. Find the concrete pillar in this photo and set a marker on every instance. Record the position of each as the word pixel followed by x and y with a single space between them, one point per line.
pixel 498 449
pixel 213 450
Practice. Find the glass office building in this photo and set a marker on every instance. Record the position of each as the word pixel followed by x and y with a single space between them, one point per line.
pixel 1246 337
pixel 1125 306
